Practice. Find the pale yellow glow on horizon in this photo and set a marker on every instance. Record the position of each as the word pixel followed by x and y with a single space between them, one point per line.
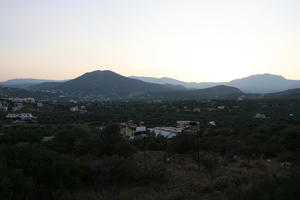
pixel 191 40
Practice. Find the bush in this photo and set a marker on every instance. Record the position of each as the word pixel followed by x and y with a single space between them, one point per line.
pixel 183 143
pixel 274 188
pixel 119 171
pixel 66 139
pixel 36 173
pixel 152 143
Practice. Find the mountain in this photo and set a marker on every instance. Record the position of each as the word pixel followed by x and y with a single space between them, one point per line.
pixel 166 80
pixel 287 94
pixel 264 83
pixel 24 83
pixel 216 92
pixel 98 85
pixel 105 84
pixel 260 83
pixel 163 80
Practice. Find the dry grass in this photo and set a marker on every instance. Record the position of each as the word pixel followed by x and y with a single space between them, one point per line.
pixel 186 181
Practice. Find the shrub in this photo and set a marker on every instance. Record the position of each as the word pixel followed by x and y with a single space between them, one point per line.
pixel 118 171
pixel 274 188
pixel 38 172
pixel 183 143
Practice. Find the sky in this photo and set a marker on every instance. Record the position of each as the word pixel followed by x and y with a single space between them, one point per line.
pixel 190 40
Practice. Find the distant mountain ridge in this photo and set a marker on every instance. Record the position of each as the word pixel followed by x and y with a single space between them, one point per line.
pixel 264 83
pixel 166 80
pixel 25 82
pixel 260 83
pixel 108 85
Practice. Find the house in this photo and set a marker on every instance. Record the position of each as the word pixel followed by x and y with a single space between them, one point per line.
pixel 29 100
pixel 188 125
pixel 196 110
pixel 167 132
pixel 81 109
pixel 100 128
pixel 21 116
pixel 40 105
pixel 241 98
pixel 74 109
pixel 19 104
pixel 16 100
pixel 3 109
pixel 221 107
pixel 131 130
pixel 212 123
pixel 48 138
pixel 16 108
pixel 73 101
pixel 260 116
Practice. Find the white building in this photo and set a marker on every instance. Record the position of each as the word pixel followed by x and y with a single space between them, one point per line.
pixel 212 123
pixel 74 109
pixel 3 108
pixel 196 110
pixel 20 116
pixel 48 138
pixel 16 108
pixel 40 105
pixel 221 107
pixel 16 100
pixel 188 125
pixel 167 132
pixel 260 116
pixel 131 130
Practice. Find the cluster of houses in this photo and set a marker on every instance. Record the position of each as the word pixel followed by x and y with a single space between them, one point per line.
pixel 17 104
pixel 132 131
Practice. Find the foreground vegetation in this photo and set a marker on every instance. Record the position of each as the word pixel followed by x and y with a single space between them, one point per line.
pixel 240 158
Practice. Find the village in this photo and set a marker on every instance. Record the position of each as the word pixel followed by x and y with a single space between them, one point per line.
pixel 207 112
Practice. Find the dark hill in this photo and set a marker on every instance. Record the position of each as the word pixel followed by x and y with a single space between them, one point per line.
pixel 216 92
pixel 105 83
pixel 287 94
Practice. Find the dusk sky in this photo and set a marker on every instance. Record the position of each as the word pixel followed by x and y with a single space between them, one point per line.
pixel 190 40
